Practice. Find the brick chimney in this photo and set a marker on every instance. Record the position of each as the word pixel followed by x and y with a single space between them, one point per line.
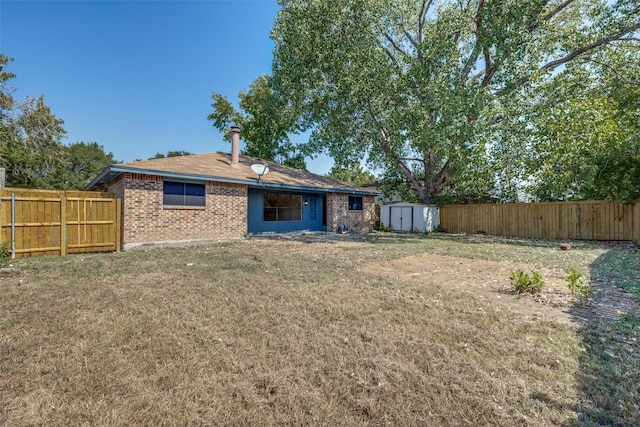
pixel 235 147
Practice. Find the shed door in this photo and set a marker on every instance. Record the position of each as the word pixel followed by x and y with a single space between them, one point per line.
pixel 401 218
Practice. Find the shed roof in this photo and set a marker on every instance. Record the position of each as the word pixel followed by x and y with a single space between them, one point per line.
pixel 217 167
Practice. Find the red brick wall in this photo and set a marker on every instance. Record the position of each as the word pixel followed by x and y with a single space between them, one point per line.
pixel 338 213
pixel 146 219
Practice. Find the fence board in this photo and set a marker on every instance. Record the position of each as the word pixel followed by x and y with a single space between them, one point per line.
pixel 58 222
pixel 636 222
pixel 586 220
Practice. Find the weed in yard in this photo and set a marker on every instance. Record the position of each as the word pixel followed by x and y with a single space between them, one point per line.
pixel 381 227
pixel 5 250
pixel 523 283
pixel 580 289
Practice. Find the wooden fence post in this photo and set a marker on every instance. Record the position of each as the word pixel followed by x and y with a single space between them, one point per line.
pixel 63 224
pixel 635 222
pixel 118 224
pixel 2 178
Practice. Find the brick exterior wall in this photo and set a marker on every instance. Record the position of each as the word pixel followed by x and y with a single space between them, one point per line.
pixel 145 218
pixel 338 213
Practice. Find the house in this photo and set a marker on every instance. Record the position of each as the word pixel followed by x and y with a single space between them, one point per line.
pixel 219 196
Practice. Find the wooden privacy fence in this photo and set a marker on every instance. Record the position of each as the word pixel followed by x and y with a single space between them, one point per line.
pixel 590 220
pixel 42 222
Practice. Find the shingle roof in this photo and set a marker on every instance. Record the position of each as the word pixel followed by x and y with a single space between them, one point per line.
pixel 217 167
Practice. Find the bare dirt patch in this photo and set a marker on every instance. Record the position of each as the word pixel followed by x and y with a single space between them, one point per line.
pixel 10 277
pixel 489 281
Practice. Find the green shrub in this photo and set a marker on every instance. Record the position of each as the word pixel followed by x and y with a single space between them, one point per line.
pixel 577 286
pixel 523 283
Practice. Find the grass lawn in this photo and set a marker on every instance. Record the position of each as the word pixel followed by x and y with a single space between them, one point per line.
pixel 268 332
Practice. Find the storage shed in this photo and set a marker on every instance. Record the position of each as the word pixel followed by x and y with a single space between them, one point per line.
pixel 407 217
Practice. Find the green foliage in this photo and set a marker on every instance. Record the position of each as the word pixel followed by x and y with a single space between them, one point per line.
pixel 577 286
pixel 395 187
pixel 523 283
pixel 266 121
pixel 83 162
pixel 170 154
pixel 5 250
pixel 30 138
pixel 31 150
pixel 582 134
pixel 459 98
pixel 354 175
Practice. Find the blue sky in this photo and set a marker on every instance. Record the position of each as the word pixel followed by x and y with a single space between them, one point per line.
pixel 137 76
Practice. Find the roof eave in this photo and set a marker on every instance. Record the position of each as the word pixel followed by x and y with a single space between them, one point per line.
pixel 113 171
pixel 312 189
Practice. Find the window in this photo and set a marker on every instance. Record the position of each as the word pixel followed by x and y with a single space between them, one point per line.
pixel 355 203
pixel 282 207
pixel 183 194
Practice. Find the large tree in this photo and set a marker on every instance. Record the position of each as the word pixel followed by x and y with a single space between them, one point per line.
pixel 266 122
pixel 586 144
pixel 428 89
pixel 83 161
pixel 31 146
pixel 30 138
pixel 352 174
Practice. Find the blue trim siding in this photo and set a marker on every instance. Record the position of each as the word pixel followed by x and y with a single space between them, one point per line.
pixel 311 218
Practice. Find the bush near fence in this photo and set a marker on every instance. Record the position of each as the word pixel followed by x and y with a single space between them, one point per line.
pixel 43 222
pixel 584 220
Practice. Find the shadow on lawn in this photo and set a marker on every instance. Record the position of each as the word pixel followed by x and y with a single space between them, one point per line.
pixel 609 366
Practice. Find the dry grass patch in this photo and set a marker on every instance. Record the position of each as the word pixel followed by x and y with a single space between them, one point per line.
pixel 270 333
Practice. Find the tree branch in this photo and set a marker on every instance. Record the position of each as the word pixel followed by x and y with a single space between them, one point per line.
pixel 489 69
pixel 557 10
pixel 443 172
pixel 395 46
pixel 415 45
pixel 412 159
pixel 628 39
pixel 613 70
pixel 386 147
pixel 424 9
pixel 473 57
pixel 552 65
pixel 416 89
pixel 411 40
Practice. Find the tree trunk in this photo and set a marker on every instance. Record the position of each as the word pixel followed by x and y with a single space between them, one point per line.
pixel 428 192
